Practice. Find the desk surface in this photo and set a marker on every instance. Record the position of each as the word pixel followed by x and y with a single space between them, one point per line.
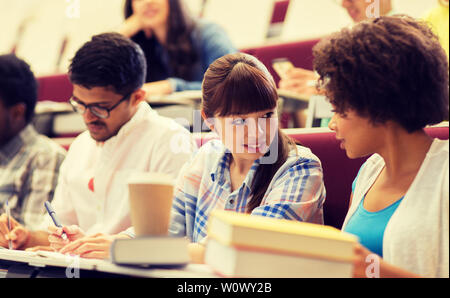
pixel 21 264
pixel 23 270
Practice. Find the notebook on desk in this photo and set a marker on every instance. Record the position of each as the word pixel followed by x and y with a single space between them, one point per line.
pixel 48 259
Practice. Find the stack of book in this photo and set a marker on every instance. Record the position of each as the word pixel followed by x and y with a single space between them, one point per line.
pixel 243 245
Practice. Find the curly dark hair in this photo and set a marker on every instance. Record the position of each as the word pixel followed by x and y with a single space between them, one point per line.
pixel 17 84
pixel 109 60
pixel 388 68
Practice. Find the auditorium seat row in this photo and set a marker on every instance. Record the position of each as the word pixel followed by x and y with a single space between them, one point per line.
pixel 58 88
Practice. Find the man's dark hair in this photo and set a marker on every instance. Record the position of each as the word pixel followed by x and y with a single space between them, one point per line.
pixel 389 68
pixel 109 60
pixel 17 84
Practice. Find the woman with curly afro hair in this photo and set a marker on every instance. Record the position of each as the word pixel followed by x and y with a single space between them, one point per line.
pixel 387 79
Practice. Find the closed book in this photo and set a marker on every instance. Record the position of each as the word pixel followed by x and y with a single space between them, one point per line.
pixel 150 250
pixel 231 261
pixel 280 235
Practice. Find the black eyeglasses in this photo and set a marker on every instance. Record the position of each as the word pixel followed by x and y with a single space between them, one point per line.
pixel 100 112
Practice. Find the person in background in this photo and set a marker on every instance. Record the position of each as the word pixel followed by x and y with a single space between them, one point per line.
pixel 361 10
pixel 124 135
pixel 29 162
pixel 299 80
pixel 439 22
pixel 178 48
pixel 382 103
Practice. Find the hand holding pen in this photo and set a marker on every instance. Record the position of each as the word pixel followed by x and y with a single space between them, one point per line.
pixel 52 214
pixel 60 236
pixel 12 234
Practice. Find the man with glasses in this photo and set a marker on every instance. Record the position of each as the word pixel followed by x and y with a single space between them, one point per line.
pixel 100 111
pixel 124 135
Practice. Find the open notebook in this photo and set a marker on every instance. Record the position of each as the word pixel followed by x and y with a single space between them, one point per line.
pixel 48 259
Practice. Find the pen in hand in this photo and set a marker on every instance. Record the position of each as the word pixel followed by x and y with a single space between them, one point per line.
pixel 52 214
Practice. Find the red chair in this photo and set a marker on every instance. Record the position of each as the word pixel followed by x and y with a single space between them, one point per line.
pixel 279 11
pixel 440 132
pixel 299 53
pixel 338 173
pixel 54 88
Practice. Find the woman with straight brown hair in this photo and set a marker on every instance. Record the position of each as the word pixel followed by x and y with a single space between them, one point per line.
pixel 254 167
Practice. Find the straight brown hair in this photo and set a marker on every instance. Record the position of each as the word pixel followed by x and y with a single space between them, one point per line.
pixel 238 84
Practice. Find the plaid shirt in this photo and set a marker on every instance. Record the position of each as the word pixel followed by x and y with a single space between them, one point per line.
pixel 296 191
pixel 29 166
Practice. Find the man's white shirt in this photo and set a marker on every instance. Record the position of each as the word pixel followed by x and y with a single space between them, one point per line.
pixel 92 190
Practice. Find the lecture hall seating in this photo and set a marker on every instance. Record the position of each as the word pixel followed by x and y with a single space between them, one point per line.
pixel 54 87
pixel 298 52
pixel 279 11
pixel 58 88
